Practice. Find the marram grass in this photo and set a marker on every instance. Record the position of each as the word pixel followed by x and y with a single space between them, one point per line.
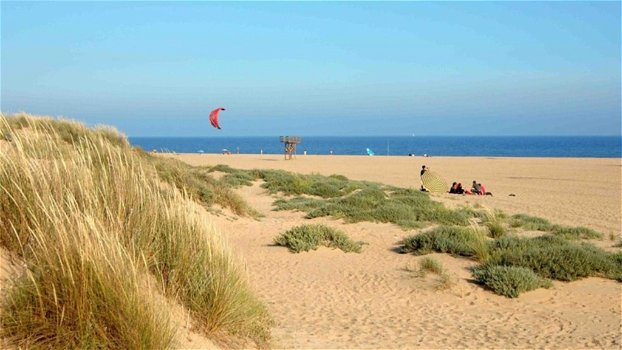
pixel 105 241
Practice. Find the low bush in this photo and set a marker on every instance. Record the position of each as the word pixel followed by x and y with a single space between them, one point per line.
pixel 528 222
pixel 493 220
pixel 509 281
pixel 310 237
pixel 456 240
pixel 574 233
pixel 406 208
pixel 539 224
pixel 554 257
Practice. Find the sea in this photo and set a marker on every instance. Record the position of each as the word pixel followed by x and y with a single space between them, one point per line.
pixel 488 146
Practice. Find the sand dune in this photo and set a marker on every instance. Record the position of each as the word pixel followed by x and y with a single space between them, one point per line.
pixel 330 299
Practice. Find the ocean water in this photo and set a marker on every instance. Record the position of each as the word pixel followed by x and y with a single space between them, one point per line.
pixel 514 146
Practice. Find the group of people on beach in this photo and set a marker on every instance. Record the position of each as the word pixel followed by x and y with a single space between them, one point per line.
pixel 476 188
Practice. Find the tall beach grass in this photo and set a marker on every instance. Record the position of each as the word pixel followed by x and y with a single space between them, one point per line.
pixel 106 243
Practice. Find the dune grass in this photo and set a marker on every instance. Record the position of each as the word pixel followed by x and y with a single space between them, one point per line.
pixel 509 281
pixel 455 240
pixel 403 207
pixel 494 222
pixel 534 223
pixel 431 265
pixel 353 201
pixel 504 260
pixel 106 245
pixel 555 258
pixel 310 237
pixel 356 201
pixel 200 185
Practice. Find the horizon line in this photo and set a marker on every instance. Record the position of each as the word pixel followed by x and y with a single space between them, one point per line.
pixel 378 136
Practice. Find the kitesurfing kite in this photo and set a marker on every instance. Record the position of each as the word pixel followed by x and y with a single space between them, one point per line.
pixel 213 117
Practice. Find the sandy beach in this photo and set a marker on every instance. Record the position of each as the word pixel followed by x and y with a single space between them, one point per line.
pixel 330 299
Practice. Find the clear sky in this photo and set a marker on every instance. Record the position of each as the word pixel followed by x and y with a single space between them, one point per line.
pixel 330 68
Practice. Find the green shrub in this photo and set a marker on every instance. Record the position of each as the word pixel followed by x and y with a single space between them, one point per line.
pixel 509 281
pixel 530 222
pixel 495 229
pixel 310 237
pixel 356 201
pixel 574 233
pixel 493 220
pixel 304 204
pixel 454 240
pixel 406 208
pixel 539 224
pixel 238 179
pixel 554 257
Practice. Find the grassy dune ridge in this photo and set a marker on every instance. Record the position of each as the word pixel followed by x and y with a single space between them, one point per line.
pixel 107 244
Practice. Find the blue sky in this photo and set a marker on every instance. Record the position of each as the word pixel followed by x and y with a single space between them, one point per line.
pixel 330 68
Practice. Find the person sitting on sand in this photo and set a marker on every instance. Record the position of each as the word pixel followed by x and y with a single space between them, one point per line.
pixel 475 188
pixel 453 188
pixel 456 188
pixel 483 190
pixel 459 189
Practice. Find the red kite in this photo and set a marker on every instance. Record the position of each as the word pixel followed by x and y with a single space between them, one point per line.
pixel 213 117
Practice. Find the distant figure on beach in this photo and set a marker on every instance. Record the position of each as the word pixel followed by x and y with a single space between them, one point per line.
pixel 304 152
pixel 331 152
pixel 478 188
pixel 475 188
pixel 261 151
pixel 456 188
pixel 482 190
pixel 460 190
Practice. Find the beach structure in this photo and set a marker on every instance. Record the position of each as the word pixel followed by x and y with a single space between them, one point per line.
pixel 289 143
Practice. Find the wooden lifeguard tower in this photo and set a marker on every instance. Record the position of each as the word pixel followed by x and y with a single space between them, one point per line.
pixel 290 143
